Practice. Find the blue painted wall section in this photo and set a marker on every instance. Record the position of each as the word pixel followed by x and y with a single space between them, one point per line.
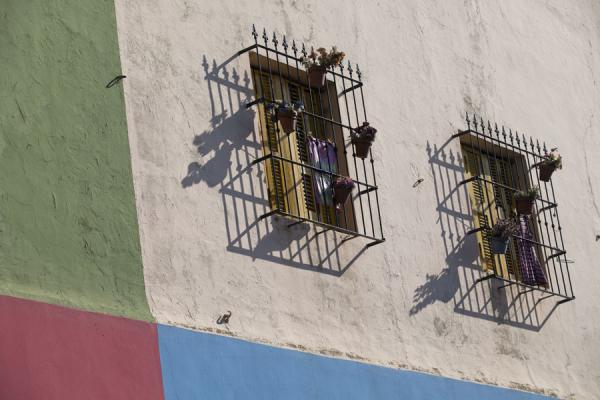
pixel 203 366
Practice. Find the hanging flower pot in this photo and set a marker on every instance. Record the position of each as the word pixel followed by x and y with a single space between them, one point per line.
pixel 342 188
pixel 502 231
pixel 362 138
pixel 286 114
pixel 316 76
pixel 499 245
pixel 317 63
pixel 551 162
pixel 524 200
pixel 546 171
pixel 287 119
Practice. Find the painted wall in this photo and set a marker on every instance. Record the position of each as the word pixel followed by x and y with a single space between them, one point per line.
pixel 68 224
pixel 51 352
pixel 412 301
pixel 205 366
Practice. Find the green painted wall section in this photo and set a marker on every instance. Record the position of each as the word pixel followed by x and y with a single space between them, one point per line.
pixel 68 224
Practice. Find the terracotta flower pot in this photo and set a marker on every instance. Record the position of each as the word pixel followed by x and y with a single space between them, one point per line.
pixel 524 205
pixel 361 149
pixel 341 194
pixel 498 245
pixel 287 119
pixel 546 171
pixel 316 76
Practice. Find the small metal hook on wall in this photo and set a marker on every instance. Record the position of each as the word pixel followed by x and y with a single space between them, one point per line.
pixel 224 319
pixel 116 80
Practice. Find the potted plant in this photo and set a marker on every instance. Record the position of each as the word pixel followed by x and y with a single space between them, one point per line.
pixel 551 162
pixel 316 64
pixel 524 200
pixel 286 113
pixel 501 234
pixel 362 138
pixel 342 188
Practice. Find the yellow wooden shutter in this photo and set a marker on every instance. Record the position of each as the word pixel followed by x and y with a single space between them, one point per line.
pixel 490 203
pixel 285 180
pixel 479 203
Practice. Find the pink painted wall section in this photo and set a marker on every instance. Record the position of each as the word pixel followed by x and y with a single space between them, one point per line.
pixel 50 352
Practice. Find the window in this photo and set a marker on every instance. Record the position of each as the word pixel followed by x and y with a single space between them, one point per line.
pixel 490 203
pixel 301 164
pixel 290 179
pixel 497 165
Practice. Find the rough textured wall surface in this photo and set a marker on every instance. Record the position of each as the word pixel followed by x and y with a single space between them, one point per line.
pixel 68 225
pixel 411 302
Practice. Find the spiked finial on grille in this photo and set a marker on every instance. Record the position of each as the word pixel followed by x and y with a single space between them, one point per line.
pixel 274 40
pixel 265 37
pixel 496 130
pixel 284 44
pixel 468 120
pixel 303 50
pixel 350 68
pixel 254 33
pixel 358 73
pixel 531 144
pixel 475 122
pixel 294 48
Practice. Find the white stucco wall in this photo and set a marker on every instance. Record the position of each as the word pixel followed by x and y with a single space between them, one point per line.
pixel 410 302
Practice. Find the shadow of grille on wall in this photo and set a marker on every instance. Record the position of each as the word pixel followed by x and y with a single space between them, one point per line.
pixel 499 164
pixel 301 164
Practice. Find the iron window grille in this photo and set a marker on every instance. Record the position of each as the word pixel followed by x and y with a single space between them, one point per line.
pixel 331 113
pixel 501 163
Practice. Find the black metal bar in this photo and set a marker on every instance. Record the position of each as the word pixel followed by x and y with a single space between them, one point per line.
pixel 351 89
pixel 246 49
pixel 331 227
pixel 460 133
pixel 551 206
pixel 261 159
pixel 501 185
pixel 268 214
pixel 475 230
pixel 560 253
pixel 539 289
pixel 471 179
pixel 565 300
pixel 376 242
pixel 255 102
pixel 366 191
